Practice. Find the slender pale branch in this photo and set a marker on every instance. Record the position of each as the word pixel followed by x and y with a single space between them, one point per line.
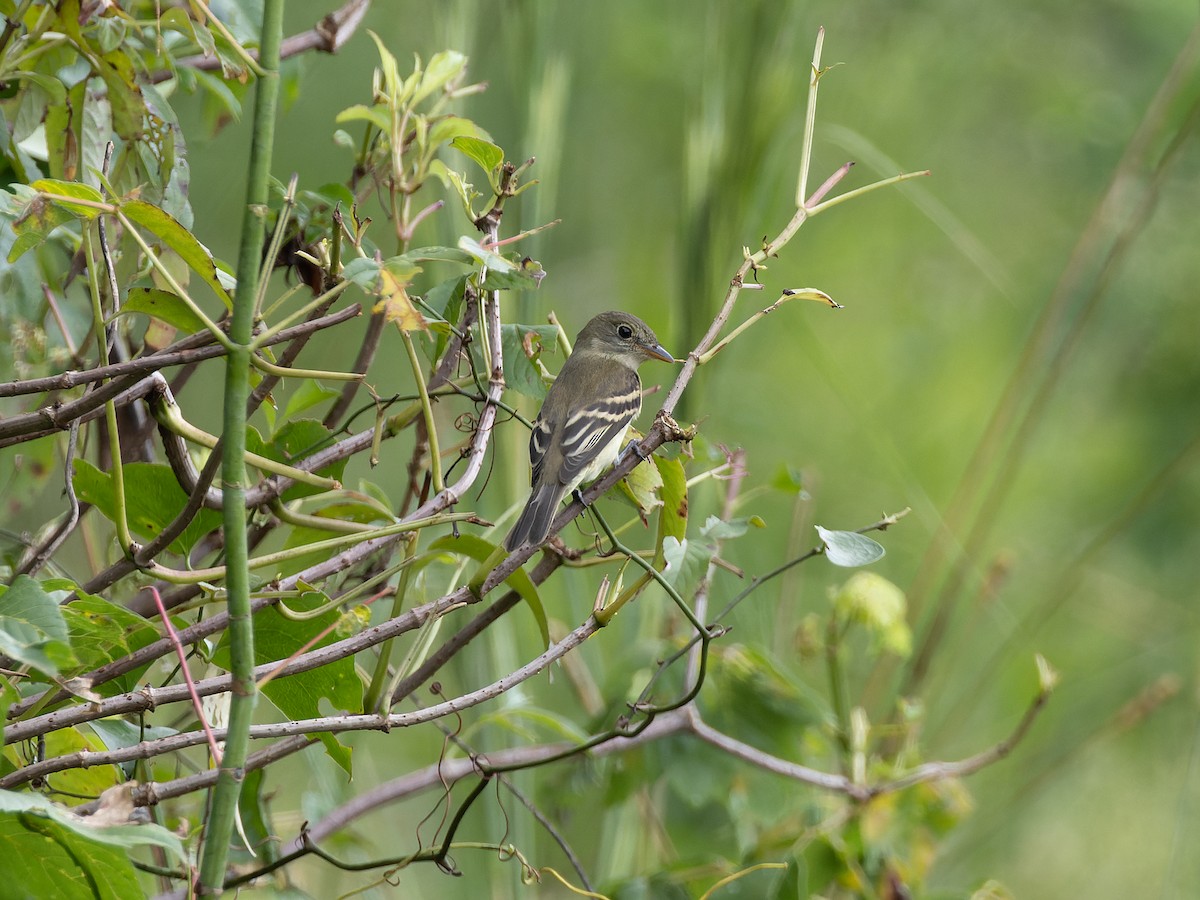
pixel 189 350
pixel 789 294
pixel 327 36
pixel 938 771
pixel 150 698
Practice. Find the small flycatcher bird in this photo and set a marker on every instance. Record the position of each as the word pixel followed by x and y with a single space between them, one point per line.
pixel 584 417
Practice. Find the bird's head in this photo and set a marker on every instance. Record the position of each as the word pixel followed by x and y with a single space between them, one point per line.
pixel 623 336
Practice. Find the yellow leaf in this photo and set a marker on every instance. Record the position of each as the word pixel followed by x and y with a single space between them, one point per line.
pixel 396 305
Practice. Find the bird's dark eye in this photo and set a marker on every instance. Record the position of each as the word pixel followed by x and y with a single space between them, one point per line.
pixel 625 332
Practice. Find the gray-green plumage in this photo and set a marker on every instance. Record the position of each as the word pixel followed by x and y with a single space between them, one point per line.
pixel 584 417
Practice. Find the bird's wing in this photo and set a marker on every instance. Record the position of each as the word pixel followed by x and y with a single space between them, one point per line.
pixel 539 442
pixel 590 430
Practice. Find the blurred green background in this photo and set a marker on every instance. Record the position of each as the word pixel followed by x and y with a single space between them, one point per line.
pixel 667 137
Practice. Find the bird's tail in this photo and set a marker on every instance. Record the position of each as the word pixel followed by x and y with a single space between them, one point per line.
pixel 534 523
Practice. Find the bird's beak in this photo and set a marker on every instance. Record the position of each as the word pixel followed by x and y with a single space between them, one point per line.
pixel 657 352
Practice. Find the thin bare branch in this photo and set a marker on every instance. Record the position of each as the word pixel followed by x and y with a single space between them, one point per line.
pixel 327 36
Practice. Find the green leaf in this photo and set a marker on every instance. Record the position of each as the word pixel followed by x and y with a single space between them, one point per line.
pixel 81 782
pixel 164 157
pixel 720 530
pixel 117 734
pixel 388 68
pixel 787 886
pixel 402 269
pixel 110 33
pixel 69 851
pixel 299 696
pixel 218 90
pixel 24 243
pixel 48 83
pixel 164 306
pixel 439 297
pixel 526 275
pixel 290 444
pixel 128 108
pixel 642 488
pixel 62 156
pixel 32 628
pixel 8 696
pixel 306 396
pixel 476 548
pixel 178 20
pixel 443 68
pixel 483 255
pixel 790 481
pixel 70 189
pixel 253 811
pixel 673 518
pixel 233 67
pixel 520 371
pixel 450 254
pixel 364 272
pixel 446 128
pixel 845 548
pixel 377 115
pixel 685 560
pixel 101 632
pixel 153 498
pixel 91 126
pixel 361 511
pixel 503 272
pixel 47 860
pixel 165 227
pixel 27 468
pixel 485 153
pixel 374 492
pixel 36 219
pixel 452 179
pixel 36 97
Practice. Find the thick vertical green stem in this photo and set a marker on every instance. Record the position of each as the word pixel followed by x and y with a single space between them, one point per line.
pixel 223 811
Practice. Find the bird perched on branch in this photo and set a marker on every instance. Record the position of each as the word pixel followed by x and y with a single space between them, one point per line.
pixel 584 417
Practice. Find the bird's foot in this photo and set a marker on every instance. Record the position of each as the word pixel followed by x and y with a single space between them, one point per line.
pixel 632 448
